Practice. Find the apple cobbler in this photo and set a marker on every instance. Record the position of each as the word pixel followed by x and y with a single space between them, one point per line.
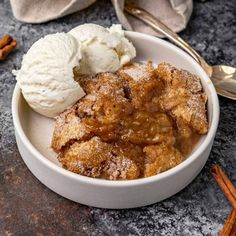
pixel 137 122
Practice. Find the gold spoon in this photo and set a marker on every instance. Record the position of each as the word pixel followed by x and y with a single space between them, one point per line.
pixel 222 76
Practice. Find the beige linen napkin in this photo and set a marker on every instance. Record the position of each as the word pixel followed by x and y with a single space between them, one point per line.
pixel 39 11
pixel 173 13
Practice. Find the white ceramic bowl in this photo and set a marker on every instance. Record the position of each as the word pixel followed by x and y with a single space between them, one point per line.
pixel 33 134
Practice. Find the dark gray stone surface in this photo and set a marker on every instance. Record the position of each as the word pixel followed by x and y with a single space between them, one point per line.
pixel 29 208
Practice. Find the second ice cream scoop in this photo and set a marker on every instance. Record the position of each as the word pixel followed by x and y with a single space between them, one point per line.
pixel 103 50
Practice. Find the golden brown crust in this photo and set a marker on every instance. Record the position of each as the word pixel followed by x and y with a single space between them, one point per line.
pixel 134 123
pixel 143 85
pixel 98 159
pixel 183 97
pixel 68 128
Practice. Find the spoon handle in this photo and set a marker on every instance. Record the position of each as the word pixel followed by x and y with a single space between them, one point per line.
pixel 149 19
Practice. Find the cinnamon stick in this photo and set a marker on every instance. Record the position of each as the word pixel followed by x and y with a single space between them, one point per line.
pixel 228 182
pixel 233 230
pixel 7 49
pixel 229 190
pixel 225 184
pixel 229 224
pixel 5 40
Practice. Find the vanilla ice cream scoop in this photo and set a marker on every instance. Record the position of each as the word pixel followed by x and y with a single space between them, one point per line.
pixel 46 76
pixel 103 50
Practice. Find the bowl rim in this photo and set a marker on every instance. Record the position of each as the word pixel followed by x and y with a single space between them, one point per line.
pixel 126 183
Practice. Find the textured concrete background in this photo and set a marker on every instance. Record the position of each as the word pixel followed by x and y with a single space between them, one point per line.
pixel 29 208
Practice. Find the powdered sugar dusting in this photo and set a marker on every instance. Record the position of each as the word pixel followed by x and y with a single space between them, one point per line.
pixel 136 74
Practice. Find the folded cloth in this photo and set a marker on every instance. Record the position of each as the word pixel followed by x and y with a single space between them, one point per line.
pixel 173 13
pixel 39 11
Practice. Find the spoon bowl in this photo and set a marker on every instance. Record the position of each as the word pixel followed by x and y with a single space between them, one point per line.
pixel 224 80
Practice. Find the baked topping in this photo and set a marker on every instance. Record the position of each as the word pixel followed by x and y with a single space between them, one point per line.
pixel 137 122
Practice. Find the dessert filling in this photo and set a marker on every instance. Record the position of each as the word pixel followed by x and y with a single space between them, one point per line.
pixel 134 123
